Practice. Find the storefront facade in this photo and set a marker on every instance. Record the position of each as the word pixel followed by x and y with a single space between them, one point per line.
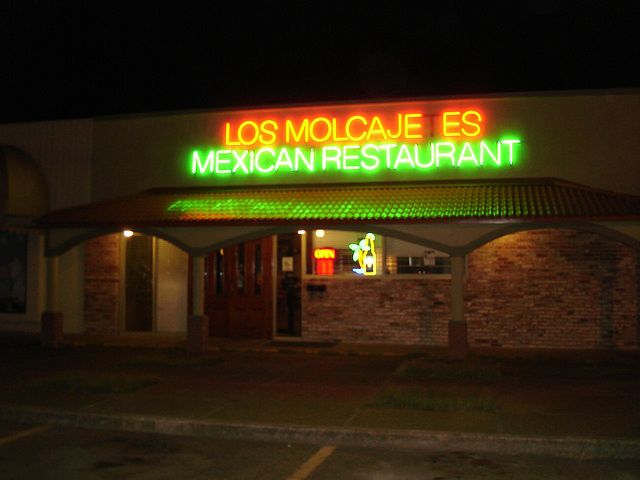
pixel 503 221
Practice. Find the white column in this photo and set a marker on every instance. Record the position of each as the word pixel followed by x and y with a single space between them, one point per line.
pixel 458 343
pixel 197 323
pixel 52 284
pixel 51 321
pixel 457 289
pixel 198 286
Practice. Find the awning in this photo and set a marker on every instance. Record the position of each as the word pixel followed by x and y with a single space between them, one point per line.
pixel 491 201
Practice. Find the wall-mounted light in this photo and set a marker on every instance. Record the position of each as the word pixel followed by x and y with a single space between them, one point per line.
pixel 127 233
pixel 319 233
pixel 301 232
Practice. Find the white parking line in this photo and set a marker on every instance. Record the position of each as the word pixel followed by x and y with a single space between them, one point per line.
pixel 24 433
pixel 314 462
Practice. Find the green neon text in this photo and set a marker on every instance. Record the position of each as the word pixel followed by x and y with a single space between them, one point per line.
pixel 368 157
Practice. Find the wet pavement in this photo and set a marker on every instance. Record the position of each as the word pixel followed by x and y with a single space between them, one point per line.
pixel 584 404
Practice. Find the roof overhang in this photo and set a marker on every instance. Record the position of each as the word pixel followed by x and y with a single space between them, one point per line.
pixel 453 217
pixel 513 201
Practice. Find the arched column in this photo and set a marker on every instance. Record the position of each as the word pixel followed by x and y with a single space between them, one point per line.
pixel 197 323
pixel 458 344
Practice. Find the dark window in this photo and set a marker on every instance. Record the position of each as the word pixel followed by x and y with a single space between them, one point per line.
pixel 13 272
pixel 423 265
pixel 240 269
pixel 139 283
pixel 257 270
pixel 220 272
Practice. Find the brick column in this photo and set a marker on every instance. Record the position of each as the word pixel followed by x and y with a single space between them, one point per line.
pixel 198 323
pixel 51 321
pixel 458 344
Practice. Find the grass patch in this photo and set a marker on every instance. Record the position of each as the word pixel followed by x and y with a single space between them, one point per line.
pixel 420 368
pixel 415 399
pixel 81 384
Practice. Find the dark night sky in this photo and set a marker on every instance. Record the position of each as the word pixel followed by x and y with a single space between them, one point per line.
pixel 77 58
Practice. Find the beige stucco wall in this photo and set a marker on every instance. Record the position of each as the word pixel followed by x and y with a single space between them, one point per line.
pixel 588 138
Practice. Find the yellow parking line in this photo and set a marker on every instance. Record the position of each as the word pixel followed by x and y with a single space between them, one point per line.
pixel 24 433
pixel 314 462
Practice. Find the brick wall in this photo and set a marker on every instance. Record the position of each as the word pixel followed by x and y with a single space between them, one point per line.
pixel 553 288
pixel 101 285
pixel 404 311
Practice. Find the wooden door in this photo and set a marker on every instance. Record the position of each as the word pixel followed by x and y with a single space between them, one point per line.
pixel 239 290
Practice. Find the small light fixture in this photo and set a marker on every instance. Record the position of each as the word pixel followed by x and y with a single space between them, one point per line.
pixel 301 232
pixel 127 233
pixel 319 233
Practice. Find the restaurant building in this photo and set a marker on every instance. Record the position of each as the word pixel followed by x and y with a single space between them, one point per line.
pixel 496 221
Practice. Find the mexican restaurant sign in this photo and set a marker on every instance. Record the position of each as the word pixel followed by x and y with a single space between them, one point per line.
pixel 397 138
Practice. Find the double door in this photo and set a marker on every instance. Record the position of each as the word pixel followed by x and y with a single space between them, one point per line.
pixel 252 290
pixel 239 290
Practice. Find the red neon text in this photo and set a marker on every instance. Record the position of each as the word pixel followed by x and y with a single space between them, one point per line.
pixel 355 128
pixel 455 124
pixel 324 253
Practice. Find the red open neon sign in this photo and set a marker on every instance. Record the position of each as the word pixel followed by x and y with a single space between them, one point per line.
pixel 325 258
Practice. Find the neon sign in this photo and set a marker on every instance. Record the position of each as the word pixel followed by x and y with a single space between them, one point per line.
pixel 404 141
pixel 325 258
pixel 364 253
pixel 355 128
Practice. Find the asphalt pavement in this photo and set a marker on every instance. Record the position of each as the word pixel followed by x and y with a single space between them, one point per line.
pixel 582 404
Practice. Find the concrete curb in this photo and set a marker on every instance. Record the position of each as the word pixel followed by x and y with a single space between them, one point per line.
pixel 340 436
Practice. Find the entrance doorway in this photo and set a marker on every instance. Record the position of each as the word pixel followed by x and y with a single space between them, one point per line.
pixel 289 285
pixel 153 281
pixel 239 290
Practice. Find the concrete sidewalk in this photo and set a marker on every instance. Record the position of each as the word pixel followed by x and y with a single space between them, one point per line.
pixel 580 404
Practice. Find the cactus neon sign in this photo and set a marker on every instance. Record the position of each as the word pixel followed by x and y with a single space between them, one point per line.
pixel 408 140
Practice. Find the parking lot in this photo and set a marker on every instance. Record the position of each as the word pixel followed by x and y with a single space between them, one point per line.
pixel 53 452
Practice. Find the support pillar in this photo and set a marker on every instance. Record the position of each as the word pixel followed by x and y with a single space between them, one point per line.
pixel 51 321
pixel 197 323
pixel 458 342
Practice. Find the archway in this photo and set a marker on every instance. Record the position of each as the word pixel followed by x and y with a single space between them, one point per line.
pixel 553 288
